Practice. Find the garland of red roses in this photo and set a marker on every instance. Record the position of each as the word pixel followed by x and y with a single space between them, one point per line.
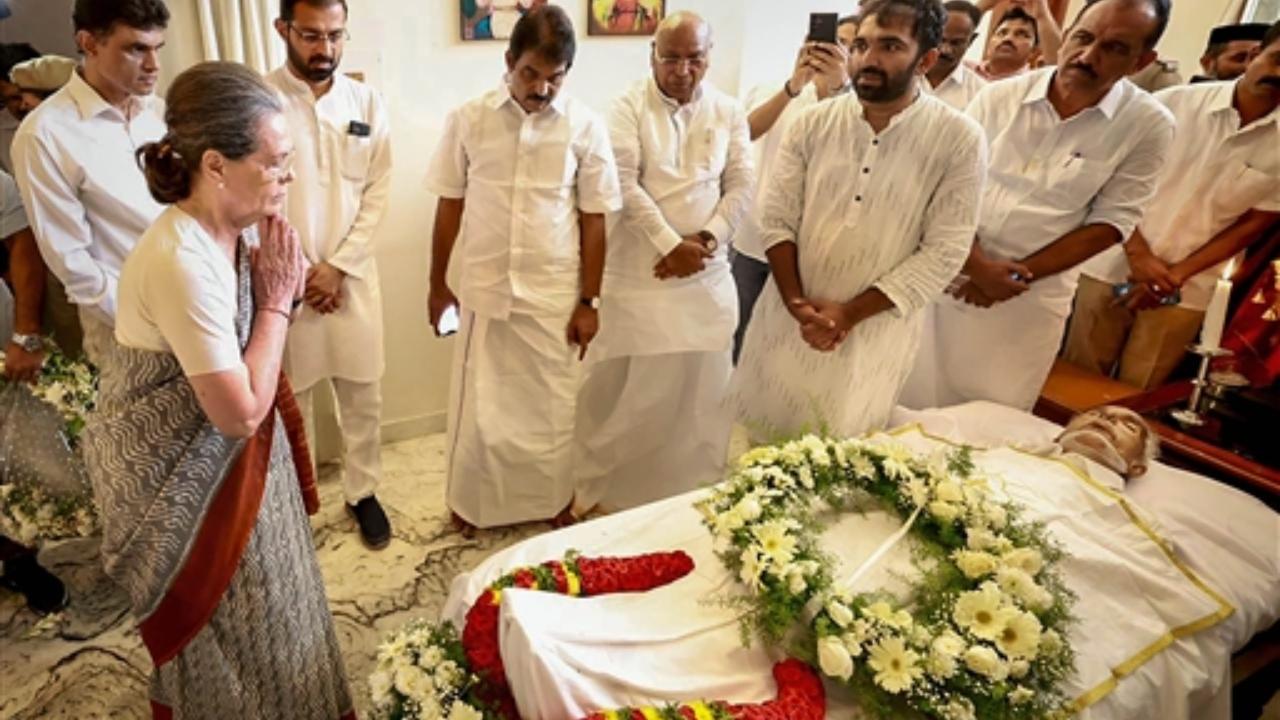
pixel 800 692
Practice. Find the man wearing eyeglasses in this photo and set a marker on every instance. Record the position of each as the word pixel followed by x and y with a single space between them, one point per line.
pixel 342 170
pixel 651 420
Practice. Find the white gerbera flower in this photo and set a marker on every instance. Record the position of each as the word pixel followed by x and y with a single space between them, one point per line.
pixel 751 568
pixel 834 657
pixel 1028 560
pixel 984 661
pixel 776 542
pixel 1020 636
pixel 879 610
pixel 896 666
pixel 982 612
pixel 975 565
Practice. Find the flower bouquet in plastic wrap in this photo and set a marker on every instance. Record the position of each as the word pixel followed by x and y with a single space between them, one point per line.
pixel 44 490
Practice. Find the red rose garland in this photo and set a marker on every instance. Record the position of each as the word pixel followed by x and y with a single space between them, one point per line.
pixel 800 697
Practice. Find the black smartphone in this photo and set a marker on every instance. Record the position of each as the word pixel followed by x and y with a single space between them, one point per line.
pixel 822 27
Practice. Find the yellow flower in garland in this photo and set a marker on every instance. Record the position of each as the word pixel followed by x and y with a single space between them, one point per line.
pixel 776 543
pixel 1020 636
pixel 896 667
pixel 982 612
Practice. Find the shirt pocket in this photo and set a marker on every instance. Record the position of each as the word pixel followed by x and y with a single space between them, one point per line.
pixel 1243 187
pixel 711 151
pixel 355 154
pixel 1073 184
pixel 556 172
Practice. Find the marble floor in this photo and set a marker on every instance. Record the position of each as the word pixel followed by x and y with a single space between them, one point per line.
pixel 89 662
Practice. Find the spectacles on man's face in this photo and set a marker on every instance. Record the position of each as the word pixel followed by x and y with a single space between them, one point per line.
pixel 697 62
pixel 311 37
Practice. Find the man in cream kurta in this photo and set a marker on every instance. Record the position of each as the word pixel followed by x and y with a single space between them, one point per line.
pixel 651 420
pixel 1218 192
pixel 1075 150
pixel 524 176
pixel 74 161
pixel 864 225
pixel 342 178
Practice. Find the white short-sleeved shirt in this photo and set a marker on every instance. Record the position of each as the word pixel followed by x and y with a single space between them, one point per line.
pixel 524 177
pixel 958 89
pixel 13 217
pixel 178 294
pixel 1216 172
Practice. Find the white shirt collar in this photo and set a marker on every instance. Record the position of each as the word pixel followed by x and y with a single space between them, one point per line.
pixel 672 104
pixel 503 95
pixel 91 104
pixel 1109 105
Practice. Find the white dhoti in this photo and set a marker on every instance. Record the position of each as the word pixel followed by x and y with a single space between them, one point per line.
pixel 649 427
pixel 511 413
pixel 1002 353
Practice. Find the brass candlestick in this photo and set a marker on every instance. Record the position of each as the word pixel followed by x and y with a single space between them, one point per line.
pixel 1191 416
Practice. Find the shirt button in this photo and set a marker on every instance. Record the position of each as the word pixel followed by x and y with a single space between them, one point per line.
pixel 875 142
pixel 866 170
pixel 857 198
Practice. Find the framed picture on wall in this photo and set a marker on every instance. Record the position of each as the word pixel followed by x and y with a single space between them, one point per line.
pixel 493 19
pixel 624 17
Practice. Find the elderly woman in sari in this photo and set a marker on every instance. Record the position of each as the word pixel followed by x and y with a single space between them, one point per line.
pixel 196 456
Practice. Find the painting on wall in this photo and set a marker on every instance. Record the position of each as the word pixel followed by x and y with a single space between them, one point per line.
pixel 625 17
pixel 493 19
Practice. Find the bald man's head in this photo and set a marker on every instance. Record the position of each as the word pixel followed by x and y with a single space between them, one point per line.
pixel 681 55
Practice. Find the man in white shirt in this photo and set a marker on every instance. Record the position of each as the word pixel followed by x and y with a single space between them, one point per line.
pixel 1074 155
pixel 1230 49
pixel 1218 193
pixel 525 176
pixel 871 205
pixel 821 72
pixel 950 80
pixel 342 171
pixel 74 157
pixel 651 420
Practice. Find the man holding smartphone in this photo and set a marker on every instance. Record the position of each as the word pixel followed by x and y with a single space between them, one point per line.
pixel 524 177
pixel 651 418
pixel 870 207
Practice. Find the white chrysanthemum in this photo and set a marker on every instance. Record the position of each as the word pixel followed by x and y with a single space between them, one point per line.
pixel 921 637
pixel 834 657
pixel 805 473
pixel 997 516
pixel 863 467
pixel 979 539
pixel 943 653
pixel 902 619
pixel 1018 669
pixel 959 709
pixel 840 614
pixel 729 521
pixel 896 666
pixel 1020 636
pixel 775 541
pixel 949 491
pixel 763 455
pixel 879 610
pixel 917 491
pixel 751 568
pixel 817 450
pixel 414 684
pixel 981 612
pixel 380 684
pixel 463 711
pixel 1051 642
pixel 1018 584
pixel 897 460
pixel 1021 695
pixel 944 511
pixel 975 565
pixel 984 661
pixel 1028 560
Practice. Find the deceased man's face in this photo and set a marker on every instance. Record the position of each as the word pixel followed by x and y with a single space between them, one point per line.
pixel 1112 436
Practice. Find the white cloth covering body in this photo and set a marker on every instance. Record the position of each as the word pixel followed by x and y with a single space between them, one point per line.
pixel 1048 177
pixel 651 421
pixel 1214 173
pixel 959 88
pixel 74 160
pixel 677 642
pixel 895 211
pixel 525 178
pixel 342 180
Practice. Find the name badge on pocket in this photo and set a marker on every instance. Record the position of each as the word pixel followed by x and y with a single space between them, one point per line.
pixel 358 129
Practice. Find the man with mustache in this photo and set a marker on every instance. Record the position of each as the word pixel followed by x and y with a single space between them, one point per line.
pixel 342 179
pixel 74 157
pixel 1230 49
pixel 950 79
pixel 651 421
pixel 871 205
pixel 524 177
pixel 1218 193
pixel 1075 151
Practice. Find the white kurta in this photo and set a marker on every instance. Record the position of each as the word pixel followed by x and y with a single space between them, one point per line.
pixel 524 179
pixel 342 179
pixel 1048 177
pixel 959 88
pixel 651 421
pixel 74 160
pixel 895 211
pixel 1215 173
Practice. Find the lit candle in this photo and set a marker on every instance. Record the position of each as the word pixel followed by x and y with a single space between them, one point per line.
pixel 1216 316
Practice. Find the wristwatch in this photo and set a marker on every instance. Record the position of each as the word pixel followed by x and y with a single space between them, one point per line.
pixel 30 343
pixel 708 240
pixel 591 302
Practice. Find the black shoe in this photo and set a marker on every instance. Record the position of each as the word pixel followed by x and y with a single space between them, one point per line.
pixel 45 593
pixel 375 529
